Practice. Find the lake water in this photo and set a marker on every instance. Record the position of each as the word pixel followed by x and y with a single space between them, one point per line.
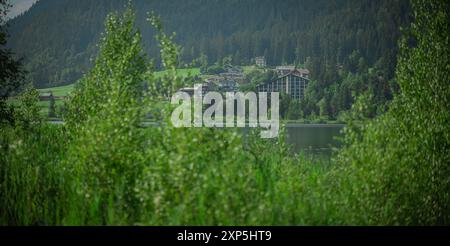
pixel 314 138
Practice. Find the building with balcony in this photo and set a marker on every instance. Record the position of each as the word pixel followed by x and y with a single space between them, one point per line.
pixel 293 83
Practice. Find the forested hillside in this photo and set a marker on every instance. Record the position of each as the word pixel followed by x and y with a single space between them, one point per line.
pixel 57 37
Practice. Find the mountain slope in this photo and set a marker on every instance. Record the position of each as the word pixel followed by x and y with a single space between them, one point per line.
pixel 58 37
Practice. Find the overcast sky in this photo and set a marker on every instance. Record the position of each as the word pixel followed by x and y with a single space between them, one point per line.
pixel 19 6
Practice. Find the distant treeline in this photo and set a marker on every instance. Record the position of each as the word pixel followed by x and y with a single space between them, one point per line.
pixel 57 38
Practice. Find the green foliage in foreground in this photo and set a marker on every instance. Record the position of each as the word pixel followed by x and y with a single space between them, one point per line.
pixel 397 170
pixel 103 168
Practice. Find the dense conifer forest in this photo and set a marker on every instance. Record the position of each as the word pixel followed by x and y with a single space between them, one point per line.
pixel 57 38
pixel 350 46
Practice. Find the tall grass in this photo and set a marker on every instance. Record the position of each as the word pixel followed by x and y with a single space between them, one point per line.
pixel 213 181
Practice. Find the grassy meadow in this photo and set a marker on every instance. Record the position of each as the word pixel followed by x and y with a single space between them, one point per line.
pixel 64 91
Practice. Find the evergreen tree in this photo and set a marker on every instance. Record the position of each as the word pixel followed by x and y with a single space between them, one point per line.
pixel 11 71
pixel 52 107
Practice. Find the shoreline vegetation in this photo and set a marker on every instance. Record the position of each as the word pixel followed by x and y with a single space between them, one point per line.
pixel 61 92
pixel 101 168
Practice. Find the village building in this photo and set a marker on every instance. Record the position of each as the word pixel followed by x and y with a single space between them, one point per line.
pixel 260 61
pixel 283 70
pixel 228 85
pixel 206 87
pixel 292 82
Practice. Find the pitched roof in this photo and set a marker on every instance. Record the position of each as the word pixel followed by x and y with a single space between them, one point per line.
pixel 300 71
pixel 295 72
